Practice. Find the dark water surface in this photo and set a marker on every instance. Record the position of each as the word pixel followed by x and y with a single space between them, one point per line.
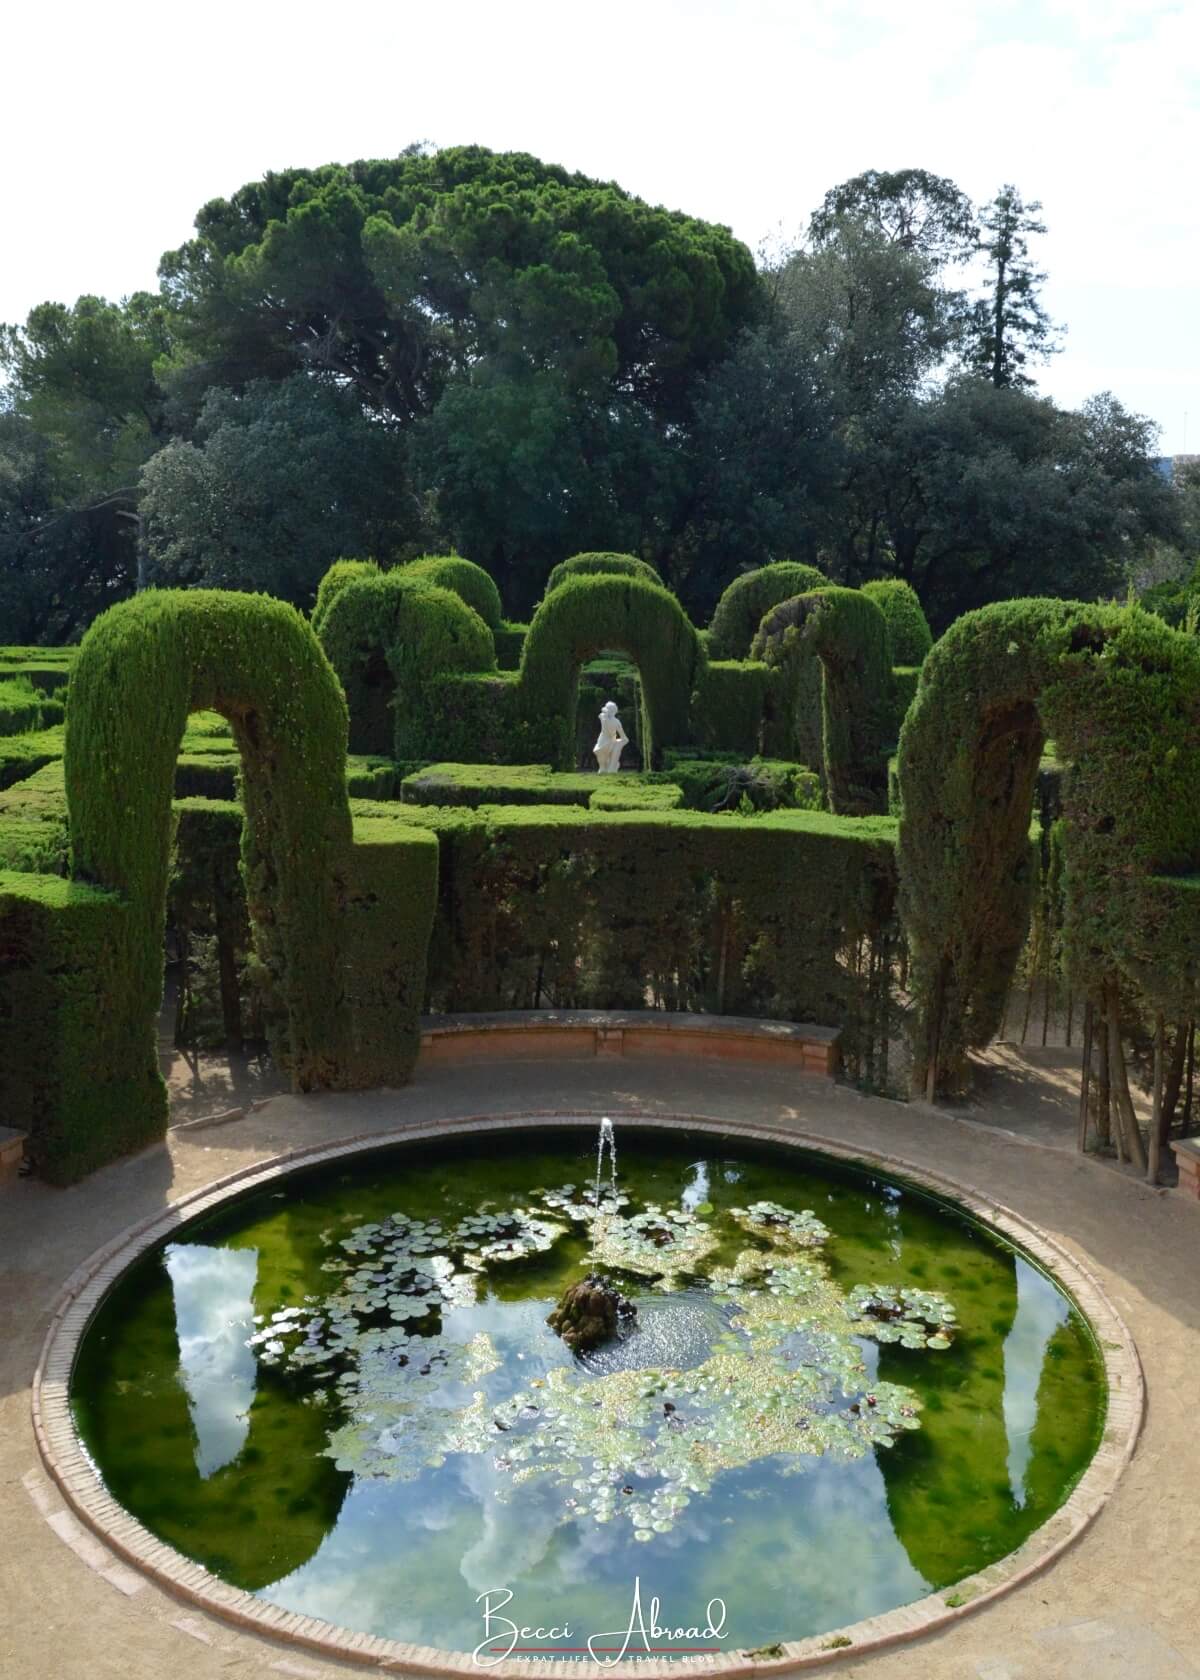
pixel 367 1467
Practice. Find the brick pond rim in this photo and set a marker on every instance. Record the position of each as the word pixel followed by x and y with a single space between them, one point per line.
pixel 71 1469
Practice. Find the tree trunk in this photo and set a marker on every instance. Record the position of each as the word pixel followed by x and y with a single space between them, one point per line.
pixel 1085 1077
pixel 1127 1120
pixel 1156 1116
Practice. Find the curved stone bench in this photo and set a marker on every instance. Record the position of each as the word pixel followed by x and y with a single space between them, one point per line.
pixel 636 1032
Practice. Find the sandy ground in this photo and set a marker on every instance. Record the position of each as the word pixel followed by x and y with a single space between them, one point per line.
pixel 1121 1605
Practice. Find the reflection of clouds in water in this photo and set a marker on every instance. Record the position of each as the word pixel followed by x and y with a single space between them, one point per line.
pixel 514 1535
pixel 1040 1311
pixel 697 1188
pixel 214 1313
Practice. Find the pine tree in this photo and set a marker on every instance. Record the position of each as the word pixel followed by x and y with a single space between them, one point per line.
pixel 1008 326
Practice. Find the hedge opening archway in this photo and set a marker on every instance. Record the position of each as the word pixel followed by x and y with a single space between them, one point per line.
pixel 143 667
pixel 849 636
pixel 600 613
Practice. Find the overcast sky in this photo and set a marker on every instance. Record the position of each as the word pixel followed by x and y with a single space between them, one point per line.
pixel 118 122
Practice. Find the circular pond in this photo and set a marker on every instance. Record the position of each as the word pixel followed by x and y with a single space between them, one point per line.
pixel 338 1391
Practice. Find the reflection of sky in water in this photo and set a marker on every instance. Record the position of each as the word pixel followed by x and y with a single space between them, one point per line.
pixel 214 1311
pixel 1040 1311
pixel 408 1560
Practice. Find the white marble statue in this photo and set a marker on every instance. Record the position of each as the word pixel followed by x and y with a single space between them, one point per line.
pixel 610 740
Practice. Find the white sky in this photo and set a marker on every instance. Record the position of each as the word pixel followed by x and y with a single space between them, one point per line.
pixel 118 120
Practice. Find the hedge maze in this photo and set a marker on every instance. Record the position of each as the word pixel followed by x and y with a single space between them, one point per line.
pixel 351 819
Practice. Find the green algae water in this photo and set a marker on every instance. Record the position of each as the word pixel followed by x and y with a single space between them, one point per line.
pixel 341 1393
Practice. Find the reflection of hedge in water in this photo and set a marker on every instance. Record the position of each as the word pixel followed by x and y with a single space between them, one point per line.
pixel 150 1468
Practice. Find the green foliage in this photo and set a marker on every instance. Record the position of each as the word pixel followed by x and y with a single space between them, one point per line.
pixel 21 755
pixel 911 208
pixel 741 608
pixel 609 565
pixel 1008 326
pixel 848 634
pixel 731 701
pixel 257 662
pixel 473 785
pixel 527 898
pixel 1120 693
pixel 335 580
pixel 24 709
pixel 594 614
pixel 909 628
pixel 727 781
pixel 64 1072
pixel 904 688
pixel 390 639
pixel 278 479
pixel 510 640
pixel 463 577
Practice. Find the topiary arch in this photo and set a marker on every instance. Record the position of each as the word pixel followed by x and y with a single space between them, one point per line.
pixel 1119 692
pixel 335 580
pixel 593 614
pixel 142 668
pixel 849 635
pixel 463 577
pixel 389 638
pixel 601 564
pixel 740 610
pixel 901 606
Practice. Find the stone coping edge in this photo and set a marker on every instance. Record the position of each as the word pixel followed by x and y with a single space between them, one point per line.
pixel 77 1479
pixel 648 1020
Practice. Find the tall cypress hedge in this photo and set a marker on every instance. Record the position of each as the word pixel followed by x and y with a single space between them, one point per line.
pixel 901 606
pixel 748 598
pixel 601 564
pixel 849 635
pixel 593 614
pixel 1120 693
pixel 390 638
pixel 143 666
pixel 463 577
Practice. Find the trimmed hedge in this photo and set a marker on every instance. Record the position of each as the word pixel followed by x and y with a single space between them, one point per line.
pixel 64 1073
pixel 390 638
pixel 1119 692
pixel 589 615
pixel 143 666
pixel 472 785
pixel 463 578
pixel 748 598
pixel 557 907
pixel 22 755
pixel 601 564
pixel 731 701
pixel 335 580
pixel 849 635
pixel 721 781
pixel 901 606
pixel 510 640
pixel 904 692
pixel 23 708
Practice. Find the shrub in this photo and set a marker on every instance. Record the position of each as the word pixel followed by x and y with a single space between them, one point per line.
pixel 848 634
pixel 901 606
pixel 463 577
pixel 594 614
pixel 611 565
pixel 1120 694
pixel 389 639
pixel 335 580
pixel 510 639
pixel 741 608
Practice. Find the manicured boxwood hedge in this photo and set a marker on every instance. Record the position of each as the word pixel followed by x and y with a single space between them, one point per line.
pixel 463 578
pixel 65 1077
